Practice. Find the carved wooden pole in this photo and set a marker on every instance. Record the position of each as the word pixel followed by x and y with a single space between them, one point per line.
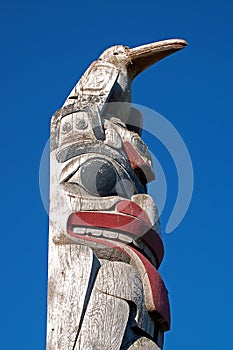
pixel 104 290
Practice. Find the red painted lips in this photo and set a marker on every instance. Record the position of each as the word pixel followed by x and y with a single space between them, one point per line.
pixel 129 219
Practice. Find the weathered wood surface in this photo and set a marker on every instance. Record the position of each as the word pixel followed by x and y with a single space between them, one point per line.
pixel 144 344
pixel 104 291
pixel 104 323
pixel 68 281
pixel 117 302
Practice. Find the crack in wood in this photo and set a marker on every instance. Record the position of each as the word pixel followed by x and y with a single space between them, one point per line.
pixel 92 280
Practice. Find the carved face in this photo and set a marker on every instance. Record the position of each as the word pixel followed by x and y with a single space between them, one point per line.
pixel 101 169
pixel 99 162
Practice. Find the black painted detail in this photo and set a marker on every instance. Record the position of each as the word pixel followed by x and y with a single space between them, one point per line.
pixel 98 177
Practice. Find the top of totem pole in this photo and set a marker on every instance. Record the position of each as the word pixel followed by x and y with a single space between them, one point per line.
pixel 109 79
pixel 137 59
pixel 96 139
pixel 130 61
pixel 99 169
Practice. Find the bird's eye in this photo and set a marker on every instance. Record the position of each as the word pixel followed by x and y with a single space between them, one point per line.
pixel 115 53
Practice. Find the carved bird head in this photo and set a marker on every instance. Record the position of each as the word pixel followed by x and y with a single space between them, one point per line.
pixel 139 58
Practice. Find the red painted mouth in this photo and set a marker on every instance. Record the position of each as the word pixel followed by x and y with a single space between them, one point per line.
pixel 131 222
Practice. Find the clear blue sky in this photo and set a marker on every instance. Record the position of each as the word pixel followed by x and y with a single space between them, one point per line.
pixel 45 47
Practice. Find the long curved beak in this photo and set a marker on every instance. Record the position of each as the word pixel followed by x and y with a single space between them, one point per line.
pixel 144 56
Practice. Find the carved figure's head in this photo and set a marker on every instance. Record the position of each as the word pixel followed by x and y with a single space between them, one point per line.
pixel 137 59
pixel 99 164
pixel 100 167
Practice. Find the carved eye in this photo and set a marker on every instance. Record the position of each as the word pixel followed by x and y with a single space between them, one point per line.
pixel 66 127
pixel 100 178
pixel 81 120
pixel 81 124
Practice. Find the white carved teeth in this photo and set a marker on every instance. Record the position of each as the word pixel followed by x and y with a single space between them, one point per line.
pixel 95 232
pixel 125 238
pixel 79 230
pixel 86 231
pixel 110 234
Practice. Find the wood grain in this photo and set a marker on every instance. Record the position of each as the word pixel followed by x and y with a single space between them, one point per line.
pixel 104 323
pixel 99 166
pixel 144 344
pixel 68 282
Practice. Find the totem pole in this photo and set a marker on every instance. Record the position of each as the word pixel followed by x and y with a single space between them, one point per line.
pixel 104 290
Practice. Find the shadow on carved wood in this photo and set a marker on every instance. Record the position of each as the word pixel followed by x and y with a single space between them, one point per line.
pixel 104 290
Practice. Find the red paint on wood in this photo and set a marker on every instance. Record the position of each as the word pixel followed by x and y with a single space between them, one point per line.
pixel 121 223
pixel 131 208
pixel 158 290
pixel 137 162
pixel 124 223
